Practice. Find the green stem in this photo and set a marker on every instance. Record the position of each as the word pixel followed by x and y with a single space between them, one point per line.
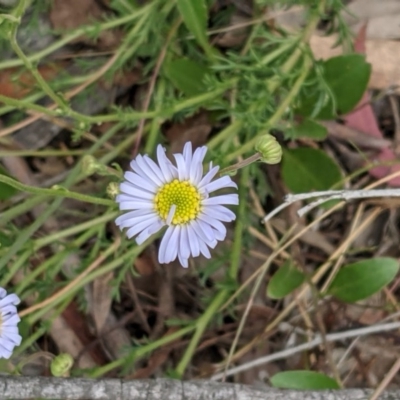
pixel 69 37
pixel 28 64
pixel 141 351
pixel 248 146
pixel 73 230
pixel 55 192
pixel 201 325
pixel 223 294
pixel 239 226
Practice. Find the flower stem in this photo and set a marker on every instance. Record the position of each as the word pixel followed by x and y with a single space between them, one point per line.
pixel 55 192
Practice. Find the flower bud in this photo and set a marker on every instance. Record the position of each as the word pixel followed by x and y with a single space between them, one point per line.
pixel 61 365
pixel 89 165
pixel 269 149
pixel 113 190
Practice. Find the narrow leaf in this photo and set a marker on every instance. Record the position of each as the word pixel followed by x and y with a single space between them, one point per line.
pixel 6 191
pixel 362 279
pixel 303 380
pixel 194 15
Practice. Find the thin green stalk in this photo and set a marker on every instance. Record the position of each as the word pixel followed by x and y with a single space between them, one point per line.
pixel 134 252
pixel 22 208
pixel 230 131
pixel 55 192
pixel 69 37
pixel 17 265
pixel 73 177
pixel 239 225
pixel 201 326
pixel 73 230
pixel 223 294
pixel 28 64
pixel 294 91
pixel 141 351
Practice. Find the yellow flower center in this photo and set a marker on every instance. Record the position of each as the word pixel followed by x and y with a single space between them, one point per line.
pixel 181 194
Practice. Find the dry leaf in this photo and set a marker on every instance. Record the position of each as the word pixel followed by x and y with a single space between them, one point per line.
pixel 100 300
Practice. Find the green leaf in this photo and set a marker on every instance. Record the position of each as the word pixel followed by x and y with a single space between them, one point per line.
pixel 303 380
pixel 187 76
pixel 194 15
pixel 305 170
pixel 347 78
pixel 6 191
pixel 284 281
pixel 309 129
pixel 362 279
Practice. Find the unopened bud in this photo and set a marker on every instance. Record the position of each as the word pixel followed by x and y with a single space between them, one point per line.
pixel 112 190
pixel 269 149
pixel 61 365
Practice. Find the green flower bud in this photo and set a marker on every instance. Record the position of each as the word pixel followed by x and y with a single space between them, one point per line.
pixel 90 165
pixel 112 190
pixel 61 365
pixel 269 149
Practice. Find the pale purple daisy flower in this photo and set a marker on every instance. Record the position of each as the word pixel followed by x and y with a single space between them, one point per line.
pixel 9 336
pixel 177 197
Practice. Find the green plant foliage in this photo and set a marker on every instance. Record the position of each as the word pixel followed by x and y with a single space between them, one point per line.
pixel 6 191
pixel 303 380
pixel 305 170
pixel 187 75
pixel 309 129
pixel 194 15
pixel 284 281
pixel 345 79
pixel 362 279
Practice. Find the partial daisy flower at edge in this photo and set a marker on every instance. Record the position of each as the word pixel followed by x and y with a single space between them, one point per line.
pixel 9 336
pixel 177 197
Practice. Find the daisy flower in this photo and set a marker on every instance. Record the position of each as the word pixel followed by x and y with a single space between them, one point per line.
pixel 9 337
pixel 178 197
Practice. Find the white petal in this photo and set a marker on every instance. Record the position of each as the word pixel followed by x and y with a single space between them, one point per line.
pixel 187 154
pixel 184 247
pixel 166 166
pixel 196 168
pixel 155 168
pixel 132 214
pixel 131 190
pixel 217 225
pixel 171 251
pixel 3 293
pixel 184 261
pixel 223 199
pixel 209 239
pixel 206 228
pixel 164 245
pixel 4 353
pixel 183 173
pixel 171 214
pixel 208 177
pixel 221 213
pixel 204 250
pixel 10 299
pixel 151 230
pixel 136 205
pixel 220 183
pixel 148 170
pixel 131 222
pixel 134 230
pixel 194 242
pixel 141 182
